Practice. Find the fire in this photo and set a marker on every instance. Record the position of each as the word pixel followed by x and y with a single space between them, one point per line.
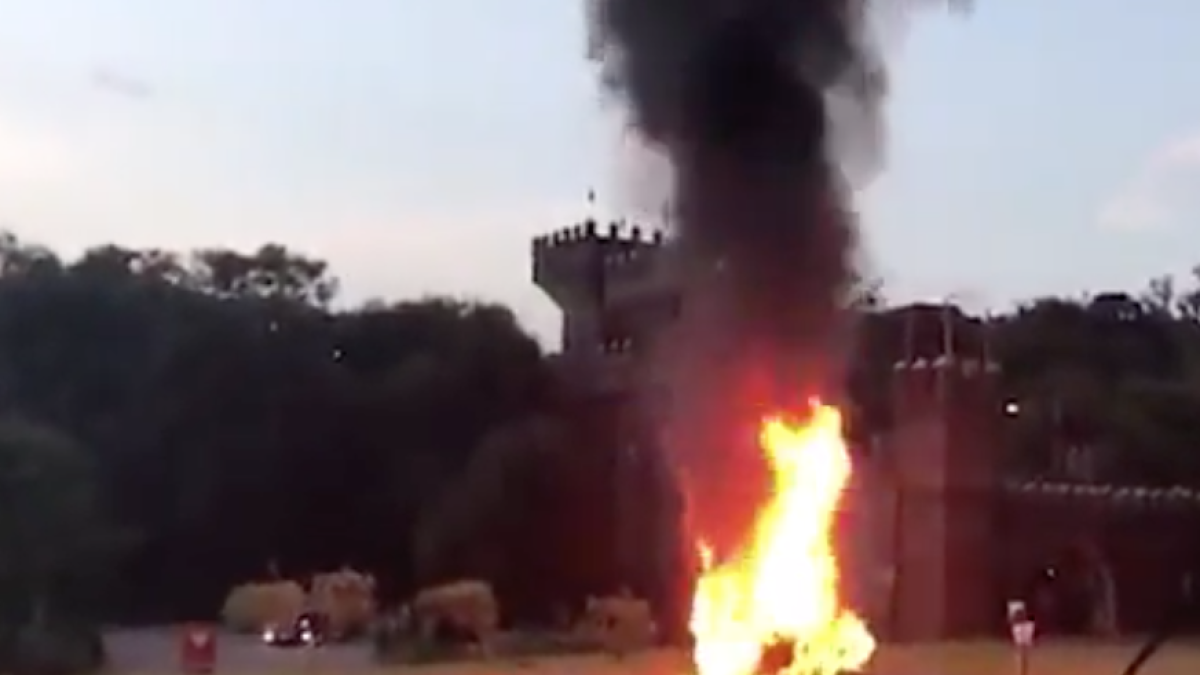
pixel 782 587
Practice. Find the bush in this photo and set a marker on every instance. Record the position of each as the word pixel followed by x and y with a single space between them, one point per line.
pixel 251 607
pixel 619 624
pixel 467 608
pixel 56 649
pixel 389 634
pixel 346 599
pixel 452 621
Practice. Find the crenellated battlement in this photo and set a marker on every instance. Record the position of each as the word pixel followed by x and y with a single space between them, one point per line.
pixel 578 265
pixel 965 365
pixel 934 336
pixel 617 346
pixel 617 234
pixel 1111 496
pixel 567 236
pixel 639 250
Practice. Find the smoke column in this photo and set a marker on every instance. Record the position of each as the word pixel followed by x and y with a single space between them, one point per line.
pixel 742 96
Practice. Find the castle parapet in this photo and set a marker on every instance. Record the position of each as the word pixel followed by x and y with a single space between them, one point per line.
pixel 1107 496
pixel 579 265
pixel 637 270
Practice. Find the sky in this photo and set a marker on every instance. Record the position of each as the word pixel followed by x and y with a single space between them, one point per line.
pixel 418 145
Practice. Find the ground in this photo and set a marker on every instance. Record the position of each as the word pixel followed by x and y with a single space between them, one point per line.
pixel 146 652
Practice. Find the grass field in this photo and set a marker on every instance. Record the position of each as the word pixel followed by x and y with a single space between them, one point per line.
pixel 1077 658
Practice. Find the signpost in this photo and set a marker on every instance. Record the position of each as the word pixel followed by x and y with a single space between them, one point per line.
pixel 1023 631
pixel 198 649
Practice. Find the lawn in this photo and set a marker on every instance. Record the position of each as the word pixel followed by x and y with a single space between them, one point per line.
pixel 1074 658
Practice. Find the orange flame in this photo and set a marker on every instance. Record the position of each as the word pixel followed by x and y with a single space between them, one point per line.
pixel 783 585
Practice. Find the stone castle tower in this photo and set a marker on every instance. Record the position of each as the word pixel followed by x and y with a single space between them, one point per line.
pixel 943 459
pixel 609 282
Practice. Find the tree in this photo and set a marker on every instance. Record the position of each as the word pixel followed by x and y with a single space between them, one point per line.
pixel 523 513
pixel 468 528
pixel 226 408
pixel 55 546
pixel 270 272
pixel 53 533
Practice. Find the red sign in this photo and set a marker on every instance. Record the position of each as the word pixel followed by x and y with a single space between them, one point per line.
pixel 198 649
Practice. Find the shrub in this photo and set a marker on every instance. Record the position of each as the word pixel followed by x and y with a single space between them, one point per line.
pixel 251 607
pixel 346 599
pixel 619 624
pixel 459 611
pixel 390 633
pixel 60 648
pixel 396 641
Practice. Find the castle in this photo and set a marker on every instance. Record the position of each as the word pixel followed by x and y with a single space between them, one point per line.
pixel 943 536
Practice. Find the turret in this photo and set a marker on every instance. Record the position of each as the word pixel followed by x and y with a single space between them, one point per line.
pixel 946 458
pixel 589 270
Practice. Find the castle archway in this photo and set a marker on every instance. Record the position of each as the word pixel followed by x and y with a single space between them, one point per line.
pixel 1071 590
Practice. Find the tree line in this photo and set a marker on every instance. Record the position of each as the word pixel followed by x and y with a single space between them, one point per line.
pixel 173 424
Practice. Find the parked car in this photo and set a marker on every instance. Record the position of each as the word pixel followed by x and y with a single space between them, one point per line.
pixel 308 630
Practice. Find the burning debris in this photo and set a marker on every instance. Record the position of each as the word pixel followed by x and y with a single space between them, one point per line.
pixel 740 95
pixel 776 656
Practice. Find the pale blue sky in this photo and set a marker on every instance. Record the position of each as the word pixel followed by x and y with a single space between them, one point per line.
pixel 1035 146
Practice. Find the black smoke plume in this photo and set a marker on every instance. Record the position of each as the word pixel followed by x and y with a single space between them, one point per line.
pixel 741 96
